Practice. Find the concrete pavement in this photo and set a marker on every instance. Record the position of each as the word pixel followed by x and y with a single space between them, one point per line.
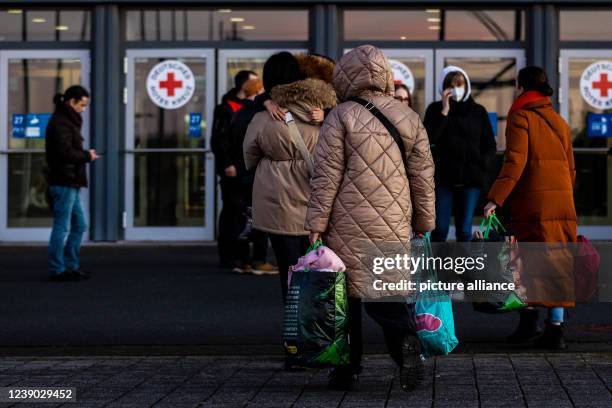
pixel 458 381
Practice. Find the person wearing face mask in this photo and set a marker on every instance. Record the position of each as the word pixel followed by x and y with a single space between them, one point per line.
pixel 463 148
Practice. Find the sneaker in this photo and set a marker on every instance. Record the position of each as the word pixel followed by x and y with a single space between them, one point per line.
pixel 265 269
pixel 412 369
pixel 243 269
pixel 63 277
pixel 342 379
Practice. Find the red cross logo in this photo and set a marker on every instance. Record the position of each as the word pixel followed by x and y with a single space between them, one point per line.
pixel 170 84
pixel 604 85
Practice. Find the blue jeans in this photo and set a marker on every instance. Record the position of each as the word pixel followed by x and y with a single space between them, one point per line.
pixel 555 314
pixel 460 202
pixel 69 225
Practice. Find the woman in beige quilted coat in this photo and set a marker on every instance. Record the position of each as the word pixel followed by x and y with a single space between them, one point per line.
pixel 364 199
pixel 281 188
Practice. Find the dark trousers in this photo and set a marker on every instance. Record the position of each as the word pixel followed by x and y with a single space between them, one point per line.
pixel 287 250
pixel 396 320
pixel 231 221
pixel 236 197
pixel 460 202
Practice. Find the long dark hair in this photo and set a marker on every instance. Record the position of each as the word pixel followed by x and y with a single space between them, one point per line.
pixel 76 92
pixel 281 68
pixel 534 78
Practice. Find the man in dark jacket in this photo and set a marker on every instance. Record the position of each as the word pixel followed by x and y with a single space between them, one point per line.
pixel 463 148
pixel 231 218
pixel 66 160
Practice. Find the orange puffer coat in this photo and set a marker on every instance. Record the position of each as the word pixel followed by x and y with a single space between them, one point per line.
pixel 536 184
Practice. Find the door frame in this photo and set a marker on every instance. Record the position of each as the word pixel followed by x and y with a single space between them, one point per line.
pixel 592 231
pixel 35 233
pixel 428 55
pixel 564 56
pixel 222 56
pixel 199 233
pixel 225 54
pixel 442 53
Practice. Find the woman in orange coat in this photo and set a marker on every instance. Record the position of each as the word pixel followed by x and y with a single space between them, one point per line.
pixel 536 183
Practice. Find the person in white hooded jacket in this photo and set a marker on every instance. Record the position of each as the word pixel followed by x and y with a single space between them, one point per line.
pixel 463 147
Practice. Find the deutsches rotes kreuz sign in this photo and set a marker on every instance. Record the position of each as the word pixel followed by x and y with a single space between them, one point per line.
pixel 402 74
pixel 596 85
pixel 170 84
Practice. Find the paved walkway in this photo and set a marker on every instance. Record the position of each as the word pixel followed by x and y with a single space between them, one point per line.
pixel 462 381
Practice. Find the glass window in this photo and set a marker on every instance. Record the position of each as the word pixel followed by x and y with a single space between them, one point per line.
pixel 31 86
pixel 593 163
pixel 591 25
pixel 215 25
pixel 44 25
pixel 434 24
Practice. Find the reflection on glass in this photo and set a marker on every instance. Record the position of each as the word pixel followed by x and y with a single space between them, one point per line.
pixel 434 24
pixel 32 84
pixel 224 24
pixel 235 65
pixel 585 25
pixel 417 66
pixel 169 190
pixel 593 169
pixel 45 25
pixel 168 128
pixel 169 186
pixel 493 86
pixel 27 205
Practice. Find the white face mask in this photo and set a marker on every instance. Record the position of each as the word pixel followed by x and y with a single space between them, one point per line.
pixel 458 93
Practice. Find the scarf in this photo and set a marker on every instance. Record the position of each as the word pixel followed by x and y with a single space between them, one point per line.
pixel 525 98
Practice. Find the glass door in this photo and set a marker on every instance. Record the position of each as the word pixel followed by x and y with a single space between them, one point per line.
pixel 414 68
pixel 585 99
pixel 233 61
pixel 493 76
pixel 28 82
pixel 169 185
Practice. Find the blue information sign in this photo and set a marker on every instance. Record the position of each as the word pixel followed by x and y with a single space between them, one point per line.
pixel 493 120
pixel 599 124
pixel 195 125
pixel 30 125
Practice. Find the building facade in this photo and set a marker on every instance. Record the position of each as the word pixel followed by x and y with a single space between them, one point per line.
pixel 156 178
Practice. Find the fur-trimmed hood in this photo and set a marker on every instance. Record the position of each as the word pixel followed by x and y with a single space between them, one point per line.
pixel 315 66
pixel 301 97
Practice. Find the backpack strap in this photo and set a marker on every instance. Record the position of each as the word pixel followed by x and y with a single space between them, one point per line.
pixel 298 140
pixel 395 134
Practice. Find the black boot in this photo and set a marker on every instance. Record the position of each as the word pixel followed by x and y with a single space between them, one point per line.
pixel 552 338
pixel 343 379
pixel 412 369
pixel 527 329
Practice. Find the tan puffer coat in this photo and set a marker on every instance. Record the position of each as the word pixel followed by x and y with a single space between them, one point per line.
pixel 363 199
pixel 281 188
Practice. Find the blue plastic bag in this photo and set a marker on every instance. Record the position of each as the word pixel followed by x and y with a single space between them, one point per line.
pixel 434 315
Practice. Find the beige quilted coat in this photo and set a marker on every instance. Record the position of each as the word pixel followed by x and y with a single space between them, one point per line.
pixel 363 199
pixel 281 188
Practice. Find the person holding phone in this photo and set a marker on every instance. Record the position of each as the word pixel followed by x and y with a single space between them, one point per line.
pixel 463 147
pixel 66 175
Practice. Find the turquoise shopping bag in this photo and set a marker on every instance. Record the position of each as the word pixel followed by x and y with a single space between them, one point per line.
pixel 434 315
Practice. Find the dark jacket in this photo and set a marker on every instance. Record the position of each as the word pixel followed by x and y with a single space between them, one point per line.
pixel 66 157
pixel 220 141
pixel 462 143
